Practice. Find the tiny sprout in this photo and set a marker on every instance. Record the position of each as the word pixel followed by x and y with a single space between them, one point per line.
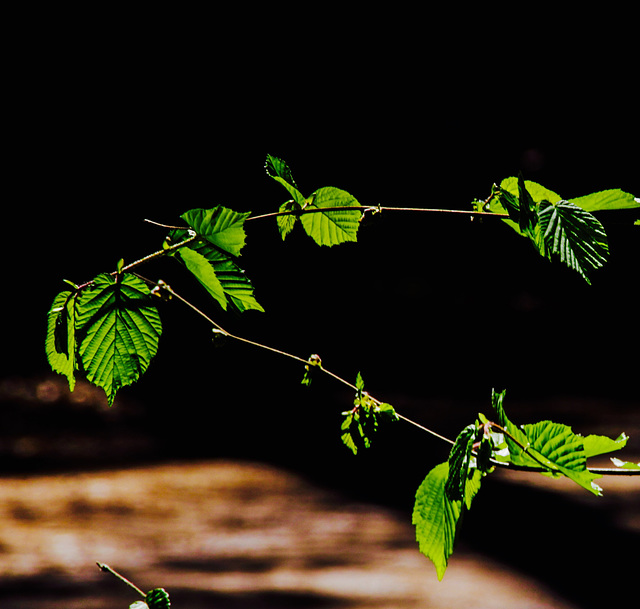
pixel 161 290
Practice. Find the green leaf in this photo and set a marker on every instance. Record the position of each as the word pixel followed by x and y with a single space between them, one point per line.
pixel 280 172
pixel 158 598
pixel 555 447
pixel 557 228
pixel 217 272
pixel 574 236
pixel 527 209
pixel 460 463
pixel 118 330
pixel 600 445
pixel 286 223
pixel 435 518
pixel 518 438
pixel 203 272
pixel 607 200
pixel 60 343
pixel 506 199
pixel 331 228
pixel 363 420
pixel 353 436
pixel 323 226
pixel 222 227
pixel 536 191
pixel 472 486
pixel 625 464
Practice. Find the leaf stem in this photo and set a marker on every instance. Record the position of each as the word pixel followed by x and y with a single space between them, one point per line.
pixel 108 569
pixel 433 433
pixel 163 252
pixel 220 329
pixel 147 258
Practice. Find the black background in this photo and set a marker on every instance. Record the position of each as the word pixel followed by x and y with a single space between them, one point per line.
pixel 116 118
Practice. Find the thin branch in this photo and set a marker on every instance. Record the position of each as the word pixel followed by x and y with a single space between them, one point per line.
pixel 511 466
pixel 603 471
pixel 222 331
pixel 148 258
pixel 169 226
pixel 108 569
pixel 376 209
pixel 433 433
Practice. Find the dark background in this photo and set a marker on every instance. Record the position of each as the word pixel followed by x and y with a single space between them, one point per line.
pixel 113 120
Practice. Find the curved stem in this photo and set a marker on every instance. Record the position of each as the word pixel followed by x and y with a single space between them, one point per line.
pixel 375 209
pixel 542 468
pixel 221 330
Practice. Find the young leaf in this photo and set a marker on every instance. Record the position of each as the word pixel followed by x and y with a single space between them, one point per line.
pixel 221 226
pixel 118 329
pixel 353 436
pixel 460 462
pixel 331 228
pixel 435 517
pixel 516 438
pixel 287 222
pixel 158 598
pixel 60 344
pixel 362 421
pixel 313 362
pixel 280 172
pixel 527 209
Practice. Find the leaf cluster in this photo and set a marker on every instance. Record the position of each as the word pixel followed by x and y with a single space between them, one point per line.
pixel 327 215
pixel 212 256
pixel 560 229
pixel 448 490
pixel 361 422
pixel 108 329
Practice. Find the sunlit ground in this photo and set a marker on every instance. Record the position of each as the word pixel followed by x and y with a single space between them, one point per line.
pixel 227 534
